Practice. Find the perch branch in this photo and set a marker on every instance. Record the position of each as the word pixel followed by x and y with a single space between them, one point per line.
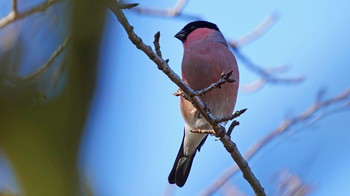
pixel 163 66
pixel 285 125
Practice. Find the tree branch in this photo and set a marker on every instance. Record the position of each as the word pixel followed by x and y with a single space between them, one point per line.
pixel 223 79
pixel 170 12
pixel 285 125
pixel 218 129
pixel 232 126
pixel 14 7
pixel 156 44
pixel 259 30
pixel 44 67
pixel 266 75
pixel 230 117
pixel 14 15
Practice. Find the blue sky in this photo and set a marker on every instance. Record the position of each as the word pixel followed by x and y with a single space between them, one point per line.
pixel 135 126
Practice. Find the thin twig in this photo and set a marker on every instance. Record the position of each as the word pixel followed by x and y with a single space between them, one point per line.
pixel 232 126
pixel 170 12
pixel 265 25
pixel 44 67
pixel 218 129
pixel 14 7
pixel 285 125
pixel 157 45
pixel 266 76
pixel 14 15
pixel 49 62
pixel 179 92
pixel 230 117
pixel 225 77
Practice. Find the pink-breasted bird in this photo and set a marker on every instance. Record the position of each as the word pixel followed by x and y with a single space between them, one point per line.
pixel 206 56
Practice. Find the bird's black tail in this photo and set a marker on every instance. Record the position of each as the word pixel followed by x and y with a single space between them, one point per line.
pixel 182 165
pixel 181 168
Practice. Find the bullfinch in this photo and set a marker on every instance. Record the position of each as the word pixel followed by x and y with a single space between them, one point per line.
pixel 206 56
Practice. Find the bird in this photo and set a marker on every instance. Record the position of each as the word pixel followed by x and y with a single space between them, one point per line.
pixel 206 56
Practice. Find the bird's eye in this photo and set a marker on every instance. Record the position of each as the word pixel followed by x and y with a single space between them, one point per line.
pixel 193 28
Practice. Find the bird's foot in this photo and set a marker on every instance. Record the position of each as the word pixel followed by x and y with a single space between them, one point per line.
pixel 202 131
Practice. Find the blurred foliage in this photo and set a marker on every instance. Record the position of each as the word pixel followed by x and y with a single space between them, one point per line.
pixel 40 133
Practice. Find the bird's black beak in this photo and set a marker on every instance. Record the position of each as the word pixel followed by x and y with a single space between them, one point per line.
pixel 181 35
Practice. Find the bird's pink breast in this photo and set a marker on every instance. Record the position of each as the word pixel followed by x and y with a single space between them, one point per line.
pixel 205 57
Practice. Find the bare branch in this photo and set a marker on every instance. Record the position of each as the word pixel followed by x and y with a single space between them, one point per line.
pixel 49 62
pixel 265 25
pixel 170 12
pixel 285 125
pixel 156 44
pixel 232 116
pixel 14 15
pixel 14 7
pixel 218 129
pixel 254 86
pixel 232 126
pixel 179 92
pixel 277 69
pixel 44 67
pixel 266 76
pixel 223 79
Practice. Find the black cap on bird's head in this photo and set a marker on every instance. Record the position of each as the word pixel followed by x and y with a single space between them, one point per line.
pixel 182 35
